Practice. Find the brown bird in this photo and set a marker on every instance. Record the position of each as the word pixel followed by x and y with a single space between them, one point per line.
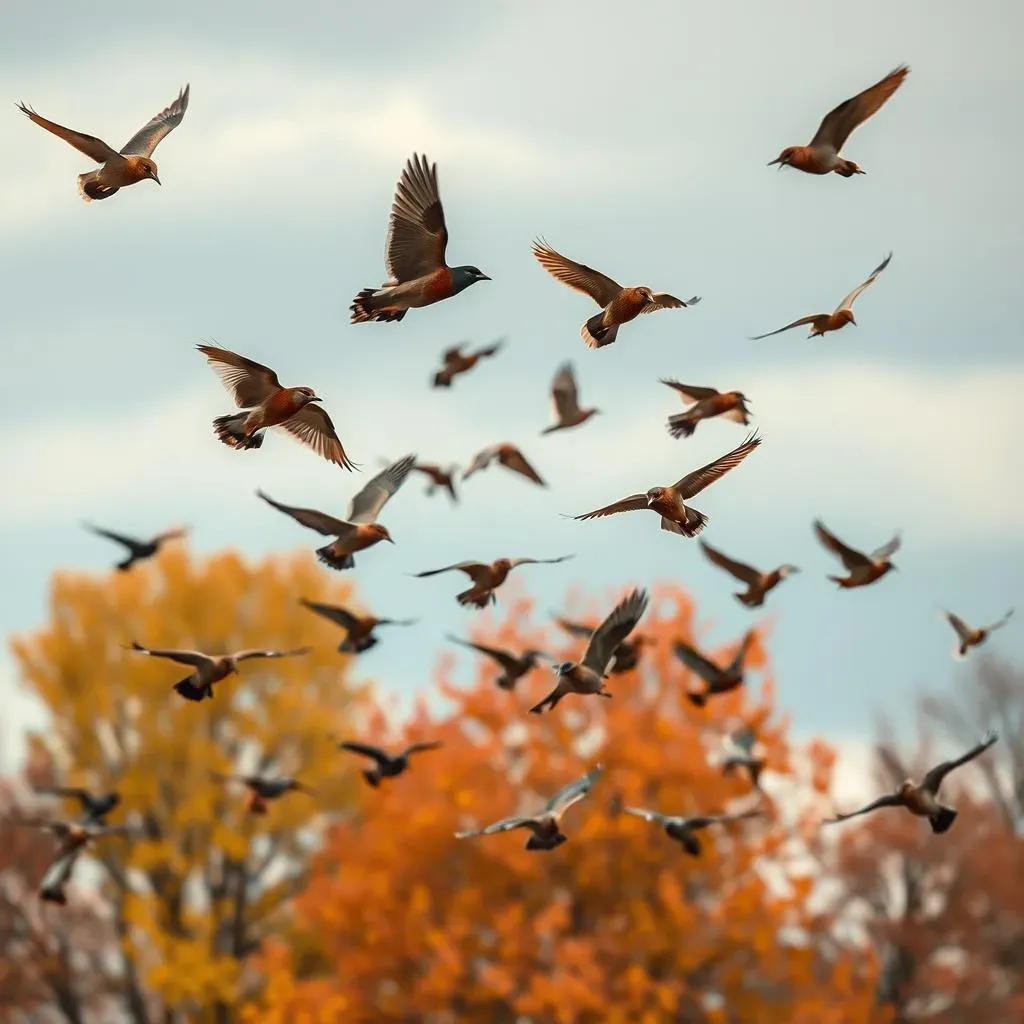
pixel 211 668
pixel 439 478
pixel 587 676
pixel 261 789
pixel 618 305
pixel 56 876
pixel 566 400
pixel 359 529
pixel 456 362
pixel 704 404
pixel 133 163
pixel 758 583
pixel 138 550
pixel 414 252
pixel 863 569
pixel 682 828
pixel 739 753
pixel 822 323
pixel 967 637
pixel 922 799
pixel 487 577
pixel 265 403
pixel 821 156
pixel 627 654
pixel 75 835
pixel 513 666
pixel 387 765
pixel 359 629
pixel 719 680
pixel 668 502
pixel 546 825
pixel 507 455
pixel 95 807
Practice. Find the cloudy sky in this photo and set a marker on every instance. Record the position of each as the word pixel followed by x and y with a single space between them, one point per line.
pixel 635 139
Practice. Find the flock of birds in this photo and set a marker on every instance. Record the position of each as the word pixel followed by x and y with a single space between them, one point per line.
pixel 418 276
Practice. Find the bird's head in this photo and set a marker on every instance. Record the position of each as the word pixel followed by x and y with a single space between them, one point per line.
pixel 654 495
pixel 646 294
pixel 379 532
pixel 231 665
pixel 787 570
pixel 463 277
pixel 785 157
pixel 306 395
pixel 563 668
pixel 502 565
pixel 148 168
pixel 846 316
pixel 906 788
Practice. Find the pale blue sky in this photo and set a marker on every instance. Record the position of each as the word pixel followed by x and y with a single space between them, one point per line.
pixel 635 139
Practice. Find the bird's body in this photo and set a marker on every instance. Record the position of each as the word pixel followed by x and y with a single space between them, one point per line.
pixel 682 828
pixel 863 569
pixel 513 666
pixel 505 454
pixel 718 679
pixel 438 477
pixel 487 576
pixel 758 583
pixel 359 629
pixel 138 550
pixel 565 397
pixel 56 876
pixel 457 362
pixel 75 835
pixel 95 807
pixel 739 753
pixel 705 404
pixel 263 788
pixel 969 636
pixel 626 656
pixel 386 766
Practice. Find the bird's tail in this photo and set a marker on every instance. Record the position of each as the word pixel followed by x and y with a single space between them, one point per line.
pixel 681 425
pixel 749 600
pixel 695 522
pixel 126 564
pixel 334 561
pixel 595 334
pixel 372 776
pixel 89 188
pixel 547 704
pixel 348 646
pixel 942 820
pixel 697 699
pixel 257 805
pixel 960 652
pixel 536 843
pixel 479 599
pixel 552 429
pixel 442 379
pixel 843 581
pixel 368 305
pixel 54 893
pixel 230 430
pixel 187 689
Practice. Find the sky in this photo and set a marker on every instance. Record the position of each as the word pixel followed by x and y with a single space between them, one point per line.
pixel 634 139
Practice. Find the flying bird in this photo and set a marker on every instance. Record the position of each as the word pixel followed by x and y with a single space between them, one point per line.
pixel 414 252
pixel 487 577
pixel 669 502
pixel 387 766
pixel 739 753
pixel 618 305
pixel 95 807
pixel 718 679
pixel 75 835
pixel 359 529
pixel 863 569
pixel 565 396
pixel 627 654
pixel 821 156
pixel 968 637
pixel 587 676
pixel 758 583
pixel 138 550
pixel 439 477
pixel 545 825
pixel 822 323
pixel 507 455
pixel 456 361
pixel 261 789
pixel 211 668
pixel 682 828
pixel 265 403
pixel 133 163
pixel 705 403
pixel 513 666
pixel 56 876
pixel 359 629
pixel 922 799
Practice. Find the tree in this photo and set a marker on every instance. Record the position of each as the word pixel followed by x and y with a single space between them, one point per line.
pixel 198 892
pixel 403 922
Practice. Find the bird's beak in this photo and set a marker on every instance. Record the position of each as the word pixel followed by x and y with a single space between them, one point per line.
pixel 892 566
pixel 777 160
pixel 483 277
pixel 316 398
pixel 650 501
pixel 157 180
pixel 390 539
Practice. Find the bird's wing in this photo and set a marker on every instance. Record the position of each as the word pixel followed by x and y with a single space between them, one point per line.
pixel 148 137
pixel 889 800
pixel 888 549
pixel 415 748
pixel 850 558
pixel 476 571
pixel 341 616
pixel 573 793
pixel 120 538
pixel 512 458
pixel 689 392
pixel 313 427
pixel 490 350
pixel 599 287
pixel 796 323
pixel 397 622
pixel 633 503
pixel 95 149
pixel 59 871
pixel 564 393
pixel 848 301
pixel 643 812
pixel 451 355
pixel 615 628
pixel 366 505
pixel 963 631
pixel 662 300
pixel 259 652
pixel 248 382
pixel 310 517
pixel 696 662
pixel 417 236
pixel 695 482
pixel 194 658
pixel 575 628
pixel 505 825
pixel 378 755
pixel 837 124
pixel 745 573
pixel 481 460
pixel 1002 622
pixel 505 659
pixel 741 652
pixel 933 779
pixel 539 561
pixel 702 821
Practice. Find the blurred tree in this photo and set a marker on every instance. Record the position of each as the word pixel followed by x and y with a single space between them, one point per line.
pixel 193 898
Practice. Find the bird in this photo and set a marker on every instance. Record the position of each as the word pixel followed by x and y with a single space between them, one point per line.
pixel 588 674
pixel 95 808
pixel 487 577
pixel 967 637
pixel 704 404
pixel 132 164
pixel 210 668
pixel 682 828
pixel 439 477
pixel 822 323
pixel 627 654
pixel 758 583
pixel 387 765
pixel 75 835
pixel 507 455
pixel 264 403
pixel 56 876
pixel 669 502
pixel 718 679
pixel 739 753
pixel 618 305
pixel 138 550
pixel 513 666
pixel 821 155
pixel 545 825
pixel 565 396
pixel 414 252
pixel 359 529
pixel 922 799
pixel 456 362
pixel 261 789
pixel 359 629
pixel 863 569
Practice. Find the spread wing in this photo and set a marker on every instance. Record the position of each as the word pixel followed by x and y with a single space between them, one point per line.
pixel 490 350
pixel 850 558
pixel 848 301
pixel 695 482
pixel 796 323
pixel 148 137
pixel 564 393
pixel 59 872
pixel 662 300
pixel 505 825
pixel 311 518
pixel 539 561
pixel 575 628
pixel 512 458
pixel 1002 622
pixel 888 549
pixel 745 573
pixel 633 503
pixel 120 538
pixel 889 800
pixel 600 288
pixel 476 571
pixel 417 236
pixel 574 792
pixel 703 820
pixel 341 616
pixel 366 505
pixel 313 427
pixel 933 779
pixel 248 382
pixel 505 659
pixel 378 755
pixel 95 149
pixel 643 812
pixel 696 662
pixel 194 658
pixel 481 460
pixel 837 124
pixel 616 627
pixel 741 652
pixel 259 652
pixel 689 393
pixel 415 748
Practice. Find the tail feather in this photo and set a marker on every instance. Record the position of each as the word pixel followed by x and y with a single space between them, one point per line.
pixel 595 334
pixel 681 425
pixel 750 600
pixel 442 379
pixel 333 561
pixel 126 564
pixel 372 777
pixel 257 805
pixel 942 820
pixel 54 893
pixel 187 689
pixel 89 188
pixel 536 843
pixel 476 598
pixel 230 430
pixel 695 522
pixel 364 308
